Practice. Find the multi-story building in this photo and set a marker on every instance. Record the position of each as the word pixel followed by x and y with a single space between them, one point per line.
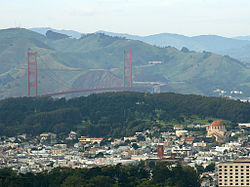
pixel 234 173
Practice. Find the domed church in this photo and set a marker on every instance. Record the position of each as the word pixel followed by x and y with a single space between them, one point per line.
pixel 218 130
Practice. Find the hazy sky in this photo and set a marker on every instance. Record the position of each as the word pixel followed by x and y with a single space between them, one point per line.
pixel 141 17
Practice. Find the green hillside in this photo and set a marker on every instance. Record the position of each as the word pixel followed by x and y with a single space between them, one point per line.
pixel 180 71
pixel 13 60
pixel 20 33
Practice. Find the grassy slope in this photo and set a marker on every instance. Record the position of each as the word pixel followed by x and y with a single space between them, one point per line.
pixel 13 59
pixel 20 33
pixel 198 72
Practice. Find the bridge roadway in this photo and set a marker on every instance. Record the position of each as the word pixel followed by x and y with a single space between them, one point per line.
pixel 95 89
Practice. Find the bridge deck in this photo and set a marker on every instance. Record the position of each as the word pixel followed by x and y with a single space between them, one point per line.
pixel 92 90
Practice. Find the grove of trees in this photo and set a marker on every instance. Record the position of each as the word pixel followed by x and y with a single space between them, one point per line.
pixel 112 114
pixel 109 176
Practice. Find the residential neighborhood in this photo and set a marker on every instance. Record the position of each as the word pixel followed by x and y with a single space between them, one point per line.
pixel 206 152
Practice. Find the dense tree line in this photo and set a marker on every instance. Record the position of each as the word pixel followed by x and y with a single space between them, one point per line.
pixel 109 176
pixel 112 114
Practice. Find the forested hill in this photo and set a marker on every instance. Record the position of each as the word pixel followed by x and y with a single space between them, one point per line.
pixel 113 114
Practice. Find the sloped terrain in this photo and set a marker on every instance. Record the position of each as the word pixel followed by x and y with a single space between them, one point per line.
pixel 69 63
pixel 13 60
pixel 234 47
pixel 97 79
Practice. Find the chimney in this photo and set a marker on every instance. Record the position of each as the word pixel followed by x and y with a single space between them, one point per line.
pixel 160 151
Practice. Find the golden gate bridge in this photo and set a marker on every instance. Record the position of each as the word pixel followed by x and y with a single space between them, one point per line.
pixel 32 80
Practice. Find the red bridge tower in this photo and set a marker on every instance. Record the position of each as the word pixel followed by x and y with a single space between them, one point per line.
pixel 31 72
pixel 127 69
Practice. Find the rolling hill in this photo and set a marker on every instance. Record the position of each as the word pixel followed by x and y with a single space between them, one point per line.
pixel 43 30
pixel 243 38
pixel 234 47
pixel 96 59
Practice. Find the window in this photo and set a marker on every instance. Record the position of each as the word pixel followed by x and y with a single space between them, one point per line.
pixel 242 170
pixel 242 184
pixel 220 169
pixel 231 170
pixel 220 166
pixel 236 166
pixel 236 170
pixel 231 166
pixel 236 184
pixel 247 184
pixel 220 183
pixel 242 166
pixel 225 166
pixel 225 169
pixel 231 183
pixel 231 173
pixel 247 166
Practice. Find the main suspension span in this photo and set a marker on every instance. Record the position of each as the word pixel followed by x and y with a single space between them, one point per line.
pixel 32 77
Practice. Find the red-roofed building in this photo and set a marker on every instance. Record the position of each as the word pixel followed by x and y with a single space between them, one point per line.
pixel 168 138
pixel 187 140
pixel 217 129
pixel 176 127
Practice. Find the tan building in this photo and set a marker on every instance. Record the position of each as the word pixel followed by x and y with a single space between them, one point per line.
pixel 234 173
pixel 180 133
pixel 218 130
pixel 85 139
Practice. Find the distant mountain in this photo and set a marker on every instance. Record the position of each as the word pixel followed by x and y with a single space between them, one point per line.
pixel 236 47
pixel 210 43
pixel 242 38
pixel 95 60
pixel 71 33
pixel 55 36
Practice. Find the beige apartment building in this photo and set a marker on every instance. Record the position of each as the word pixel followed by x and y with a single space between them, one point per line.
pixel 234 173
